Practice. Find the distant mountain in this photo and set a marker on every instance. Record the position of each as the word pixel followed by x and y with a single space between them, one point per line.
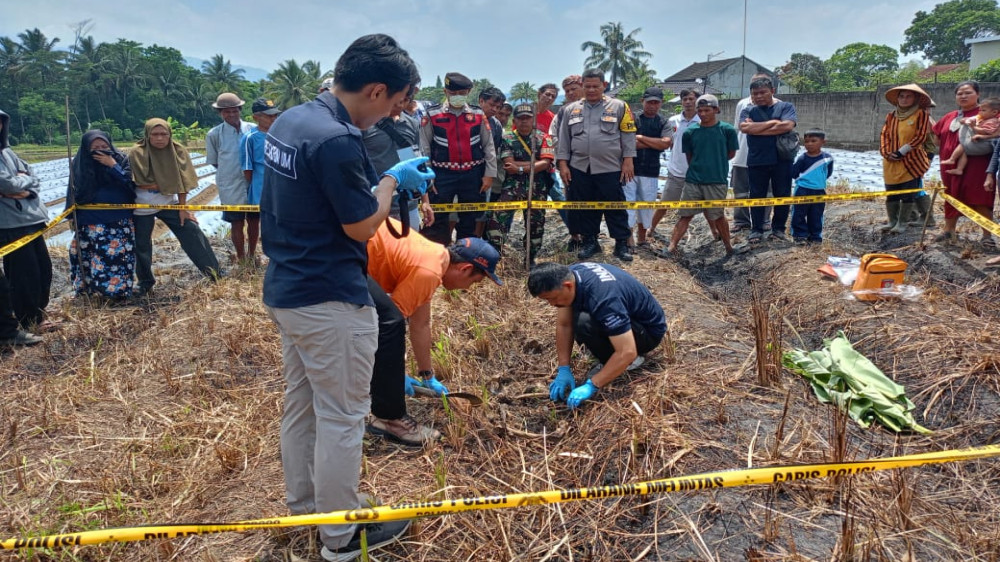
pixel 251 73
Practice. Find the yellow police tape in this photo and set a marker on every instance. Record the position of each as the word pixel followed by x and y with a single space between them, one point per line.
pixel 237 208
pixel 22 242
pixel 972 215
pixel 607 205
pixel 409 510
pixel 571 205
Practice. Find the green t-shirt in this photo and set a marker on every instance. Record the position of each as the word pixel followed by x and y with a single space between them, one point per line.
pixel 709 148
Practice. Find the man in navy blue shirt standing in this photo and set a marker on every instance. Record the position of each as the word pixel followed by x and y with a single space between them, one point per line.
pixel 762 122
pixel 317 213
pixel 603 308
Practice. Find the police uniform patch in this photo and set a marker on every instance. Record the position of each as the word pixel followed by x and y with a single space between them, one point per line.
pixel 574 120
pixel 280 157
pixel 470 117
pixel 628 121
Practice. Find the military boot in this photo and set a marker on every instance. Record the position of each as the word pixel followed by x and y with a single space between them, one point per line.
pixel 589 248
pixel 622 251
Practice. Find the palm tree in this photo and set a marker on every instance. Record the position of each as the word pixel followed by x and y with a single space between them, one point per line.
pixel 123 66
pixel 523 91
pixel 85 64
pixel 11 66
pixel 199 96
pixel 292 84
pixel 219 70
pixel 619 54
pixel 40 57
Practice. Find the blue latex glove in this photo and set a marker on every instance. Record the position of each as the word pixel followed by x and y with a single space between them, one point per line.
pixel 584 392
pixel 408 177
pixel 563 383
pixel 435 385
pixel 408 383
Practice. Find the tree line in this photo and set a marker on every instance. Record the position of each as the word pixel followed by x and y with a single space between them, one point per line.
pixel 117 86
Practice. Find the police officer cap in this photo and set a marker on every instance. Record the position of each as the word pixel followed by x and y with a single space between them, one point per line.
pixel 455 81
pixel 227 100
pixel 523 109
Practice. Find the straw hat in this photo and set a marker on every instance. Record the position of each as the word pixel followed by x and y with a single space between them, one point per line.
pixel 923 98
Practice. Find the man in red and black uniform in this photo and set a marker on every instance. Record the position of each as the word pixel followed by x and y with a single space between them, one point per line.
pixel 457 138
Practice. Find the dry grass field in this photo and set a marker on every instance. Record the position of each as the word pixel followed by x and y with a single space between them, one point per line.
pixel 167 411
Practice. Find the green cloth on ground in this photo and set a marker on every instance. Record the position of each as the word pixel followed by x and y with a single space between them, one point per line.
pixel 840 375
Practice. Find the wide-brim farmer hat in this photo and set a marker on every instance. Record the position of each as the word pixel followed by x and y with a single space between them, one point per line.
pixel 923 98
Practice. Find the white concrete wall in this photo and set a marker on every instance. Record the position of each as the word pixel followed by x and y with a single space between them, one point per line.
pixel 983 52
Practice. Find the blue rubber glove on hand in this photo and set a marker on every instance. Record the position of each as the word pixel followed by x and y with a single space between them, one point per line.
pixel 435 385
pixel 562 385
pixel 408 177
pixel 408 385
pixel 584 392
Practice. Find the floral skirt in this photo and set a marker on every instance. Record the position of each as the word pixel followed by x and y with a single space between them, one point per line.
pixel 102 259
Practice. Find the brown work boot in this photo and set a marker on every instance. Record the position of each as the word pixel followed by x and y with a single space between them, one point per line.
pixel 405 430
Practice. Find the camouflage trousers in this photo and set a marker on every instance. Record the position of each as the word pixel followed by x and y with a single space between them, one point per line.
pixel 498 222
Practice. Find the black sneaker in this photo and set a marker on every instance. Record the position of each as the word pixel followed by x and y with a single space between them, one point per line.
pixel 622 251
pixel 142 291
pixel 589 249
pixel 378 535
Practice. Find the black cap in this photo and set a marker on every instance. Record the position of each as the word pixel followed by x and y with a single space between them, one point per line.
pixel 523 109
pixel 455 81
pixel 652 93
pixel 265 106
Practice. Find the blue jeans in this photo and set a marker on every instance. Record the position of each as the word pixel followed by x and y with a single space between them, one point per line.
pixel 807 220
pixel 779 177
pixel 556 194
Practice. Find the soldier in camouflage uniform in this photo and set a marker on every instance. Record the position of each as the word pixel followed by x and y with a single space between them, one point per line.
pixel 515 155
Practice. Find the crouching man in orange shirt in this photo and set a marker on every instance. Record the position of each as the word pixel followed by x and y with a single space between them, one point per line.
pixel 403 274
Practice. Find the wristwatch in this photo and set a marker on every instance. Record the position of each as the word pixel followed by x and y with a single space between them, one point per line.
pixel 426 375
pixel 520 169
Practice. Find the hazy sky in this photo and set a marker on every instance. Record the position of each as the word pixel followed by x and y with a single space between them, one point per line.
pixel 506 41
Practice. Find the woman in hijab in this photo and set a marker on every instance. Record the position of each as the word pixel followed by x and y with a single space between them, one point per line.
pixel 163 173
pixel 102 256
pixel 972 187
pixel 902 147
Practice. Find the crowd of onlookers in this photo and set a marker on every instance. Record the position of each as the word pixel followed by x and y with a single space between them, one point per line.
pixel 592 149
pixel 345 283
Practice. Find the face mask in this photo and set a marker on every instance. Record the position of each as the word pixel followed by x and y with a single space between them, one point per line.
pixel 458 101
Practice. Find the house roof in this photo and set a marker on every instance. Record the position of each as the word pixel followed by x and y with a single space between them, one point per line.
pixel 982 39
pixel 703 69
pixel 673 87
pixel 676 86
pixel 929 72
